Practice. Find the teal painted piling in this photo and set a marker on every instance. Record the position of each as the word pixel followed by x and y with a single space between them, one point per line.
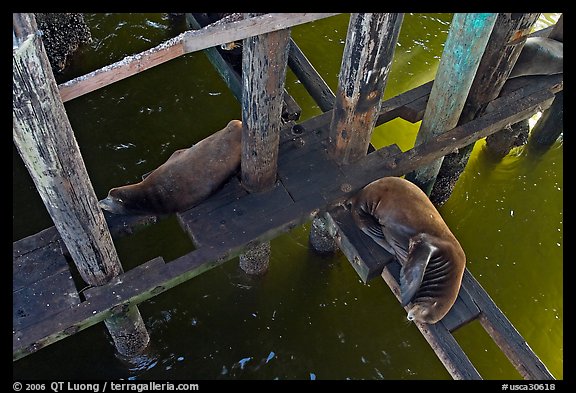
pixel 464 47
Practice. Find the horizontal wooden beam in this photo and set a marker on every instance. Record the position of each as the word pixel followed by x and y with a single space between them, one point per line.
pixel 187 42
pixel 438 336
pixel 310 78
pixel 505 334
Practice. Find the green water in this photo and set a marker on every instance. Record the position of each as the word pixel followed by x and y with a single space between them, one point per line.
pixel 308 317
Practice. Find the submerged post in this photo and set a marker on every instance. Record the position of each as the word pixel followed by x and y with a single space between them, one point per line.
pixel 551 124
pixel 45 140
pixel 264 60
pixel 502 50
pixel 366 61
pixel 464 47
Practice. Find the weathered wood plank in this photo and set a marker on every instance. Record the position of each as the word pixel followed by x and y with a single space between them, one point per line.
pixel 505 334
pixel 414 111
pixel 103 302
pixel 438 336
pixel 395 106
pixel 34 242
pixel 241 215
pixel 467 39
pixel 35 265
pixel 500 116
pixel 187 42
pixel 42 299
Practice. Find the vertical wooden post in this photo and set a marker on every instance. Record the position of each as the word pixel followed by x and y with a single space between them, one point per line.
pixel 463 50
pixel 549 127
pixel 264 60
pixel 557 32
pixel 45 140
pixel 502 51
pixel 499 144
pixel 551 124
pixel 366 62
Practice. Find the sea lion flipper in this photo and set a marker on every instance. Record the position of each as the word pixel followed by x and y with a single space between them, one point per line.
pixel 412 272
pixel 372 227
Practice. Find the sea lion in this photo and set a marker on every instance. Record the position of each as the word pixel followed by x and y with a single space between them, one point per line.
pixel 539 56
pixel 398 216
pixel 184 180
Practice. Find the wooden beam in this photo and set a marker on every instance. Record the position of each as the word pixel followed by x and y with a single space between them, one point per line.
pixel 290 108
pixel 45 141
pixel 463 50
pixel 310 78
pixel 505 334
pixel 187 42
pixel 442 342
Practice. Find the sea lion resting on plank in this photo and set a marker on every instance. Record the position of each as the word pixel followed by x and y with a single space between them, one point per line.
pixel 184 180
pixel 398 216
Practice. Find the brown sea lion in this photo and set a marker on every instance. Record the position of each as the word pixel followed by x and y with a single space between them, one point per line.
pixel 539 56
pixel 398 216
pixel 184 180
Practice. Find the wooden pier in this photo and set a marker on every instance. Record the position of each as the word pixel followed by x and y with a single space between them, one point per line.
pixel 309 184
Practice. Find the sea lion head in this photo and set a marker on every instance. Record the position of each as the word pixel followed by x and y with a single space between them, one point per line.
pixel 427 312
pixel 121 200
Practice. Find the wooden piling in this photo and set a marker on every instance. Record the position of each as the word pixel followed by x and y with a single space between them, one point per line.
pixel 557 32
pixel 499 144
pixel 464 47
pixel 551 124
pixel 264 62
pixel 502 50
pixel 366 62
pixel 548 127
pixel 45 140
